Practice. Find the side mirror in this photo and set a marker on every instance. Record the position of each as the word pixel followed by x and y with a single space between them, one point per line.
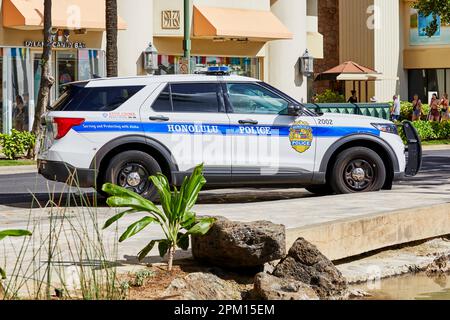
pixel 295 110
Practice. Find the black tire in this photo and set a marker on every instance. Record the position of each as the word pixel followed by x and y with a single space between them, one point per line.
pixel 358 170
pixel 320 190
pixel 124 169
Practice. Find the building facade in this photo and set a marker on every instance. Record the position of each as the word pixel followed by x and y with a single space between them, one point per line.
pixel 388 36
pixel 263 39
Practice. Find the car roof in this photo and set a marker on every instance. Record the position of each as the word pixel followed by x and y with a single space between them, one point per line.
pixel 147 80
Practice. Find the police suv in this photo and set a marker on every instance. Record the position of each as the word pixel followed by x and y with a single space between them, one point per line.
pixel 244 131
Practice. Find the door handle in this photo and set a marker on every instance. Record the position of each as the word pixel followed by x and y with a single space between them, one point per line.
pixel 159 118
pixel 248 121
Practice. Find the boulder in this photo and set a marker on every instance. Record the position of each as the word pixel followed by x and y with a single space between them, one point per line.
pixel 201 286
pixel 268 287
pixel 307 264
pixel 231 244
pixel 440 265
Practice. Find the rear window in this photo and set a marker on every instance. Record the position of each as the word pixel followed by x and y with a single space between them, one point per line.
pixel 103 99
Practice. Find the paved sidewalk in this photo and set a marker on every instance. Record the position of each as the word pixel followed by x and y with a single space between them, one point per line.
pixel 17 170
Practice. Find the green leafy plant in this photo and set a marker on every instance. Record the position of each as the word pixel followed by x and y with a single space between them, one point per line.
pixel 329 96
pixel 425 130
pixel 18 143
pixel 141 277
pixel 11 233
pixel 176 218
pixel 434 8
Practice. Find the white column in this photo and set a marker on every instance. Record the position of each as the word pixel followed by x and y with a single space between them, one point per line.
pixel 388 56
pixel 138 14
pixel 284 71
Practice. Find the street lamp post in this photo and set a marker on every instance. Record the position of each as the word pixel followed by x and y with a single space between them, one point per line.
pixel 187 33
pixel 307 64
pixel 150 59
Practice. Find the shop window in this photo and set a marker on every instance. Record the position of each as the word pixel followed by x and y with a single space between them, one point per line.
pixel 249 98
pixel 19 106
pixel 195 97
pixel 248 67
pixel 102 99
pixel 91 64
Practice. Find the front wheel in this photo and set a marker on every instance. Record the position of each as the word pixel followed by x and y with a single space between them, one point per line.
pixel 132 170
pixel 357 170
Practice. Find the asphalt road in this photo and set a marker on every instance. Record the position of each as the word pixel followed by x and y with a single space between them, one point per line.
pixel 22 190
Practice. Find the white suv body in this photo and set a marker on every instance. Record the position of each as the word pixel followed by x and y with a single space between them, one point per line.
pixel 244 131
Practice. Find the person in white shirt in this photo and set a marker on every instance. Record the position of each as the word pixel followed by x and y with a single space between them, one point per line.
pixel 396 109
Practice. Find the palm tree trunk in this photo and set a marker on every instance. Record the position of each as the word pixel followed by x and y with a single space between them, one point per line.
pixel 47 80
pixel 111 38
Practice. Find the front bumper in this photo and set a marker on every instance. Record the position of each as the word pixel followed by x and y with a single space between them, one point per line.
pixel 414 150
pixel 63 172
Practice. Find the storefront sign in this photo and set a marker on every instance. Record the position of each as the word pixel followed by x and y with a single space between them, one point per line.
pixel 56 44
pixel 60 38
pixel 170 19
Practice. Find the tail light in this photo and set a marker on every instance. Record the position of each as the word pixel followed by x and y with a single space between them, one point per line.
pixel 63 125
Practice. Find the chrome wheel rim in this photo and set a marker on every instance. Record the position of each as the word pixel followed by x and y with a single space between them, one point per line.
pixel 134 177
pixel 359 175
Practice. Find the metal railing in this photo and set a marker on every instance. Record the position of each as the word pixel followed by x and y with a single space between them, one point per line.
pixel 377 110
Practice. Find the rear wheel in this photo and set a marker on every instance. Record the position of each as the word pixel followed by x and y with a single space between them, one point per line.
pixel 358 170
pixel 132 170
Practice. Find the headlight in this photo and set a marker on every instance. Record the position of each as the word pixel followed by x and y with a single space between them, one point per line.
pixel 386 127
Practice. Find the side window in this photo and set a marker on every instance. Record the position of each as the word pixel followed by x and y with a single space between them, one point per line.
pixel 100 99
pixel 195 97
pixel 163 103
pixel 253 99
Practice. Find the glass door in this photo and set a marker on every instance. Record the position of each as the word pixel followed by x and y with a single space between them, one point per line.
pixel 66 69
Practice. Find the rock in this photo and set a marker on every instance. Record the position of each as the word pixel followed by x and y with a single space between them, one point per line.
pixel 269 267
pixel 307 264
pixel 201 286
pixel 232 244
pixel 357 293
pixel 268 287
pixel 440 265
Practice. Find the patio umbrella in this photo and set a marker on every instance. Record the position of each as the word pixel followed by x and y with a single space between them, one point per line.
pixel 350 71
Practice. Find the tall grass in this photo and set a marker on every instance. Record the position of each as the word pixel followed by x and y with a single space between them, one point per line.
pixel 67 257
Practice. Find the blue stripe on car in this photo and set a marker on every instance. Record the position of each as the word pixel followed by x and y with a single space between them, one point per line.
pixel 211 129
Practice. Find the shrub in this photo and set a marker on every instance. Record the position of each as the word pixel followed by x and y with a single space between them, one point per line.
pixel 426 130
pixel 176 218
pixel 329 96
pixel 17 144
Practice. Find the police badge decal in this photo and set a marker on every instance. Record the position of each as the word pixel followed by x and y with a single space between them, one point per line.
pixel 301 136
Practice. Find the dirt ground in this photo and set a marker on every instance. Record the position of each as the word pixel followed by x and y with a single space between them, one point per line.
pixel 154 286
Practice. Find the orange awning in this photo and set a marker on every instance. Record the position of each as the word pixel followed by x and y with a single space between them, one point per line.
pixel 228 23
pixel 66 14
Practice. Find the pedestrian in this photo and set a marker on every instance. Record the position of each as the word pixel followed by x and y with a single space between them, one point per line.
pixel 396 109
pixel 434 109
pixel 353 98
pixel 417 108
pixel 445 116
pixel 19 115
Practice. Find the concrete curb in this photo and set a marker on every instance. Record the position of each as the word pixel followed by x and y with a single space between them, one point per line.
pixel 17 170
pixel 354 236
pixel 436 147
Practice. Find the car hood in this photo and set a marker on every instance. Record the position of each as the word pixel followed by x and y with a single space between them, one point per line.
pixel 353 119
